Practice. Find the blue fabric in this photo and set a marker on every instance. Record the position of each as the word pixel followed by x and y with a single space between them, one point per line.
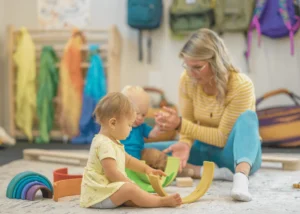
pixel 134 143
pixel 94 89
pixel 243 145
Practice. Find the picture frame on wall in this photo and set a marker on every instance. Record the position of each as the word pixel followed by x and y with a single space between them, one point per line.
pixel 56 14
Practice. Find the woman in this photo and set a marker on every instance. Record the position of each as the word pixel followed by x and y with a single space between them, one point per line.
pixel 218 122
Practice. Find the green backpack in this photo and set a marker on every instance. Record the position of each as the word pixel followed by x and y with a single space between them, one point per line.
pixel 233 15
pixel 189 15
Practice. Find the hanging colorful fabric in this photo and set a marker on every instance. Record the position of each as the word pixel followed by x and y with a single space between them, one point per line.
pixel 95 88
pixel 47 89
pixel 24 58
pixel 71 85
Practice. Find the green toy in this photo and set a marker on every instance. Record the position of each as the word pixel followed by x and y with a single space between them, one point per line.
pixel 142 180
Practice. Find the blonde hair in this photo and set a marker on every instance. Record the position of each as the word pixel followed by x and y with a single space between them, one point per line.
pixel 206 45
pixel 114 104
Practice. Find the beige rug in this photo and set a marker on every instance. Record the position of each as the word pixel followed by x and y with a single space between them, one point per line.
pixel 271 189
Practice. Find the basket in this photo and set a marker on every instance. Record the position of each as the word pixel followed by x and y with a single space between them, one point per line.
pixel 280 126
pixel 150 120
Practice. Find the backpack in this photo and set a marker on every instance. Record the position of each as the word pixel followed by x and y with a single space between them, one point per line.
pixel 144 15
pixel 275 19
pixel 233 15
pixel 189 15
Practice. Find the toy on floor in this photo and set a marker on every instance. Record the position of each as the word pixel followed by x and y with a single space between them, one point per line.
pixel 200 190
pixel 287 162
pixel 143 181
pixel 62 174
pixel 184 182
pixel 25 185
pixel 67 187
pixel 65 184
pixel 297 185
pixel 5 139
pixel 56 156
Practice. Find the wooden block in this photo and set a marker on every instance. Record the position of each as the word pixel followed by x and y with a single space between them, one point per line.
pixel 296 186
pixel 184 182
pixel 67 187
pixel 288 163
pixel 57 156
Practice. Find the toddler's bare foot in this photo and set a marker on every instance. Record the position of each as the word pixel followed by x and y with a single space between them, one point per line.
pixel 171 200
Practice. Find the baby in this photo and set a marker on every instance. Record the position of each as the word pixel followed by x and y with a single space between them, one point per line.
pixel 105 183
pixel 134 143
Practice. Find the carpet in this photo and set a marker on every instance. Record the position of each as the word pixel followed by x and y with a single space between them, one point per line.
pixel 271 189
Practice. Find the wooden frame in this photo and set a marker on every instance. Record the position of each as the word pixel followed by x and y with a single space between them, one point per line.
pixel 288 163
pixel 109 41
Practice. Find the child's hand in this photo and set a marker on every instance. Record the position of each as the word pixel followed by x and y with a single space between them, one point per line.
pixel 155 132
pixel 155 172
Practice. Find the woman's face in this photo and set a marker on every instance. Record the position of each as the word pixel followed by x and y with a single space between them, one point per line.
pixel 198 70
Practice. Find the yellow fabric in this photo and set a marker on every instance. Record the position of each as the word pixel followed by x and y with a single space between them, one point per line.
pixel 24 58
pixel 95 187
pixel 204 118
pixel 71 86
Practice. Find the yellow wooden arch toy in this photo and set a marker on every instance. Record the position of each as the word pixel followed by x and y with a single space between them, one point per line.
pixel 201 189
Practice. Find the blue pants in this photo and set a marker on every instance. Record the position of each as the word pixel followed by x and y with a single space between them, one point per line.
pixel 243 145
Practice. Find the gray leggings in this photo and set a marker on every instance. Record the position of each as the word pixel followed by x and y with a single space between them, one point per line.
pixel 105 204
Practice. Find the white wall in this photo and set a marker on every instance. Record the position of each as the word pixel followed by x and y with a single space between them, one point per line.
pixel 269 63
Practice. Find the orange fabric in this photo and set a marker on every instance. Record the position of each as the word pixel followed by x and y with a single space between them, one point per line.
pixel 71 86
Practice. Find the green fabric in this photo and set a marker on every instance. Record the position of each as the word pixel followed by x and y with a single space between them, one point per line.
pixel 189 15
pixel 143 182
pixel 233 15
pixel 47 90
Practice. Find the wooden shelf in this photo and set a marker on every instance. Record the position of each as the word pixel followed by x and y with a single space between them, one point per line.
pixel 109 41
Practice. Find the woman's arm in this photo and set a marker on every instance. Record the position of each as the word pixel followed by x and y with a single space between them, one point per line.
pixel 186 108
pixel 243 100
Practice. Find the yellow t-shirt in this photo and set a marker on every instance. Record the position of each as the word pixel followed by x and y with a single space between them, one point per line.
pixel 95 186
pixel 207 120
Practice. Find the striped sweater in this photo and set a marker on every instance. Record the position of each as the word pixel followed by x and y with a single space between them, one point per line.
pixel 204 118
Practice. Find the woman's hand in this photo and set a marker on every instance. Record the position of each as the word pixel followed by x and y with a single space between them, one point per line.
pixel 167 120
pixel 181 151
pixel 155 172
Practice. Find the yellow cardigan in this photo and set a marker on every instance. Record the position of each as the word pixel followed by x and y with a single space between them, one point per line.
pixel 204 118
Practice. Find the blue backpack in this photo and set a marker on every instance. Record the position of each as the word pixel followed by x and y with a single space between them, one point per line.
pixel 144 15
pixel 275 19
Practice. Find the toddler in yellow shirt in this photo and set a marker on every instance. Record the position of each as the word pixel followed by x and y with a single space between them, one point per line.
pixel 105 183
